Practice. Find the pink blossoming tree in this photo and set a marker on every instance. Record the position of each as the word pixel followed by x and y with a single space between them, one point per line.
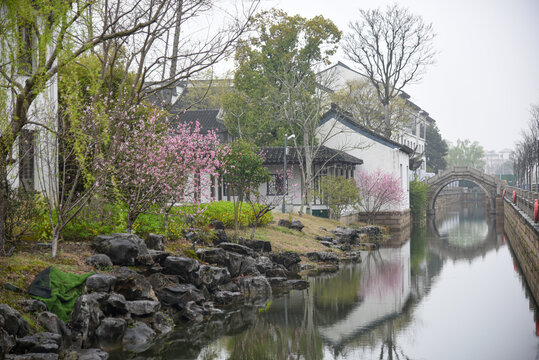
pixel 378 190
pixel 159 167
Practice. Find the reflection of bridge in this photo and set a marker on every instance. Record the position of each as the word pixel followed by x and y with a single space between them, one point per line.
pixel 490 185
pixel 442 246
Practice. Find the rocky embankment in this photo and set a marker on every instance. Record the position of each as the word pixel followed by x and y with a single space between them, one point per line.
pixel 141 292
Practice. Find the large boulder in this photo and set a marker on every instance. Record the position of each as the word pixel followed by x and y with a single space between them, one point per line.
pixel 259 246
pixel 156 242
pixel 177 296
pixel 181 266
pixel 32 356
pixel 100 283
pixel 254 287
pixel 99 261
pixel 86 317
pixel 211 276
pixel 236 248
pixel 215 256
pixel 133 285
pixel 52 323
pixel 14 323
pixel 138 338
pixel 114 305
pixel 289 259
pixel 345 235
pixel 7 342
pixel 227 297
pixel 327 257
pixel 143 307
pixel 123 249
pixel 110 332
pixel 32 306
pixel 44 342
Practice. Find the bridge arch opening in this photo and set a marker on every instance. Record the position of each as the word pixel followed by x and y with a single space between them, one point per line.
pixel 487 183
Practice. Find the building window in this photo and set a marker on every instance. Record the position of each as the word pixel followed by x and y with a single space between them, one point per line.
pixel 276 185
pixel 26 159
pixel 422 131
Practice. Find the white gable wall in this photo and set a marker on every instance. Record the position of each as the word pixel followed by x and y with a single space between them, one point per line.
pixel 375 155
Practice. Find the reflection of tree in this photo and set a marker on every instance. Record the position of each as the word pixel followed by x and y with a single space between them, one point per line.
pixel 418 249
pixel 379 275
pixel 389 345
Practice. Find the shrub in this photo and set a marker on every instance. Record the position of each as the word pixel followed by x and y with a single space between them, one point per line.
pixel 224 211
pixel 418 199
pixel 24 212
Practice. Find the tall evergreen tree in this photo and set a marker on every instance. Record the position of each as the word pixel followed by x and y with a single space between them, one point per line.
pixel 436 149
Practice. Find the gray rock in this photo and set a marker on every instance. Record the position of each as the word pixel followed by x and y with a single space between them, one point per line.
pixel 45 342
pixel 163 324
pixel 123 249
pixel 7 342
pixel 288 259
pixel 159 280
pixel 216 256
pixel 236 248
pixel 180 265
pixel 254 287
pixel 86 317
pixel 284 223
pixel 263 264
pixel 297 225
pixel 178 295
pixel 32 306
pixel 138 338
pixel 192 312
pixel 277 283
pixel 158 256
pixel 346 235
pixel 259 246
pixel 100 283
pixel 227 297
pixel 110 332
pixel 156 242
pixel 217 225
pixel 133 285
pixel 327 257
pixel 220 237
pixel 99 261
pixel 92 354
pixel 114 305
pixel 143 307
pixel 326 243
pixel 52 323
pixel 325 238
pixel 14 323
pixel 212 276
pixel 33 356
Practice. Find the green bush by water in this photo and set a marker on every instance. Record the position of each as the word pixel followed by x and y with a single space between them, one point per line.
pixel 418 199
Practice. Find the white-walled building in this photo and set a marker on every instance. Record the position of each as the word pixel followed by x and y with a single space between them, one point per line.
pixel 413 135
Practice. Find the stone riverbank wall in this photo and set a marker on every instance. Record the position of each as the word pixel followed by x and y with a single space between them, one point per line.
pixel 524 239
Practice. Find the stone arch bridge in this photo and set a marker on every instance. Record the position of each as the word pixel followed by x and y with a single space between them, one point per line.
pixel 489 184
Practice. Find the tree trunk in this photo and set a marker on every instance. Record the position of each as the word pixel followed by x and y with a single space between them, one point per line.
pixel 131 218
pixel 55 237
pixel 4 198
pixel 387 121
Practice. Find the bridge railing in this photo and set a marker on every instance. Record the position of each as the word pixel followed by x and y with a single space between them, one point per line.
pixel 525 199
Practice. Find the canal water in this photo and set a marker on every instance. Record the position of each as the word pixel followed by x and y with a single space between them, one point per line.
pixel 453 291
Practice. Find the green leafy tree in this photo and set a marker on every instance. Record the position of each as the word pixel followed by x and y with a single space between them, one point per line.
pixel 243 173
pixel 339 193
pixel 466 153
pixel 436 149
pixel 272 66
pixel 418 199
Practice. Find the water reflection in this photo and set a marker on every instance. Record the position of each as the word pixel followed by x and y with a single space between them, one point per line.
pixel 376 309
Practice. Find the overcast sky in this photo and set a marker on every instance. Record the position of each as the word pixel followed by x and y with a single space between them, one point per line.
pixel 486 74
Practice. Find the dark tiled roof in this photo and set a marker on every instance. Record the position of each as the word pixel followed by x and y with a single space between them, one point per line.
pixel 325 155
pixel 206 118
